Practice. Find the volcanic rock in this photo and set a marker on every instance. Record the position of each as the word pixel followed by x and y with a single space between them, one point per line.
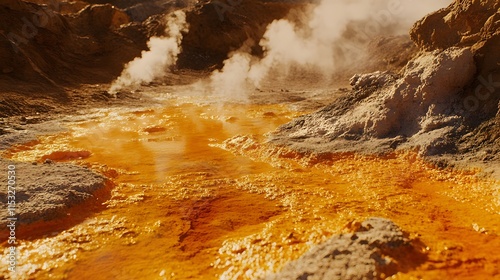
pixel 45 192
pixel 374 251
pixel 445 101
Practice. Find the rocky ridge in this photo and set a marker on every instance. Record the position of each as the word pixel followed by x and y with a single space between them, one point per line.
pixel 444 102
pixel 52 50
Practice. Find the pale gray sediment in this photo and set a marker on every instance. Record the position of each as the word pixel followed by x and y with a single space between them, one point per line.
pixel 444 103
pixel 18 131
pixel 376 250
pixel 45 192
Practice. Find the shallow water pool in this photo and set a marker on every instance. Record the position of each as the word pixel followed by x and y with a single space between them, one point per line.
pixel 198 194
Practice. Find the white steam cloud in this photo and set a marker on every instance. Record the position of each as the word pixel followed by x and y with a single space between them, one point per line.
pixel 155 62
pixel 332 35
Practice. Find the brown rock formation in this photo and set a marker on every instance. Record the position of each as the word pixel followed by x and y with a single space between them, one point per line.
pixel 43 46
pixel 215 30
pixel 474 24
pixel 463 23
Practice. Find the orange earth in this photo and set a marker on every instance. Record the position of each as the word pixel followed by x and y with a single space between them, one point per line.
pixel 187 203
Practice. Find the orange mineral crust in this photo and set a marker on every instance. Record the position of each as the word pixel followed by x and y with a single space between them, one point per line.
pixel 198 194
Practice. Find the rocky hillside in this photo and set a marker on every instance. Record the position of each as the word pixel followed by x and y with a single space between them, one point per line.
pixel 444 101
pixel 50 48
pixel 44 52
pixel 474 25
pixel 39 44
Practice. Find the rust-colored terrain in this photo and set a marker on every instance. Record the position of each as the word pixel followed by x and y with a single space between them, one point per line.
pixel 391 174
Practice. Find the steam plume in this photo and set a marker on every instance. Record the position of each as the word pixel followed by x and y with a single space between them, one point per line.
pixel 155 62
pixel 330 36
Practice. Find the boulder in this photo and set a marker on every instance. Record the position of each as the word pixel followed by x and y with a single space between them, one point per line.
pixel 393 107
pixel 472 23
pixel 45 192
pixel 377 249
pixel 463 23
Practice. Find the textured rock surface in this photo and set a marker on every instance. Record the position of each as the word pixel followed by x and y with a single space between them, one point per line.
pixel 463 23
pixel 47 191
pixel 216 29
pixel 375 79
pixel 374 251
pixel 445 101
pixel 474 24
pixel 382 107
pixel 48 48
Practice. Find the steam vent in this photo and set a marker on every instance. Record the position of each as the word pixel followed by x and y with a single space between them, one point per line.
pixel 249 139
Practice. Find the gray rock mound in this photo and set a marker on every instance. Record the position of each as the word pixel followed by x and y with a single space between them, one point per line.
pixel 416 109
pixel 374 251
pixel 444 103
pixel 46 191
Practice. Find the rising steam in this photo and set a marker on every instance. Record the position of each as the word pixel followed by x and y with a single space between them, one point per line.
pixel 332 35
pixel 155 62
pixel 328 37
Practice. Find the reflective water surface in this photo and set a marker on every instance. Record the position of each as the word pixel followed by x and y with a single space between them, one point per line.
pixel 198 194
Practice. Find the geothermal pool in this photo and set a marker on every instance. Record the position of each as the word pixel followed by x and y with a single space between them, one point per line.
pixel 198 194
